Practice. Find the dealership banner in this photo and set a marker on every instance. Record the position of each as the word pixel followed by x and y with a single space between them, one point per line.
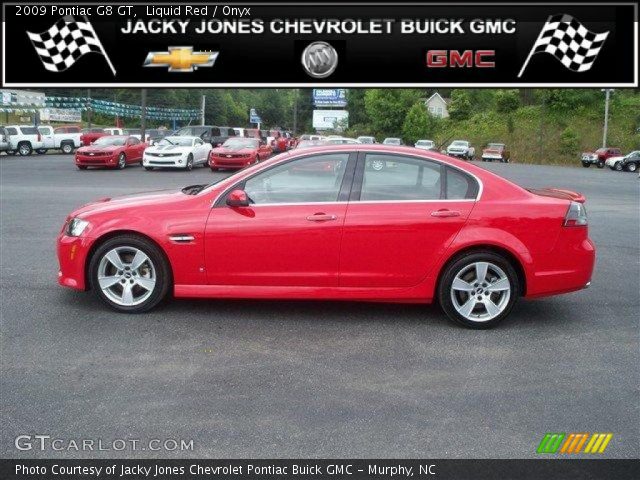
pixel 293 469
pixel 342 44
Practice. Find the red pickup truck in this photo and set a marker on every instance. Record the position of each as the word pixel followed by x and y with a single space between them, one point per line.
pixel 598 157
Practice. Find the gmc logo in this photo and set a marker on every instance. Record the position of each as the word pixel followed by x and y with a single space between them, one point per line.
pixel 457 59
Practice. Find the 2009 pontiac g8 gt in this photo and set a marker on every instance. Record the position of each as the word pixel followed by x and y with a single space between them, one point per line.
pixel 321 224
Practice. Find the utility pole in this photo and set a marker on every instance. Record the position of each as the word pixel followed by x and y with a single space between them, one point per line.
pixel 204 104
pixel 607 93
pixel 295 112
pixel 143 114
pixel 89 113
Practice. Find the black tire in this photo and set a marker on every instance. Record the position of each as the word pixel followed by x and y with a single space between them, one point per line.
pixel 122 161
pixel 618 167
pixel 600 164
pixel 81 167
pixel 586 165
pixel 631 167
pixel 162 272
pixel 66 148
pixel 148 169
pixel 24 149
pixel 458 265
pixel 189 166
pixel 214 169
pixel 41 151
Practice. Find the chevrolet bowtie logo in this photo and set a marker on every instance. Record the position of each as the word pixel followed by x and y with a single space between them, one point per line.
pixel 181 59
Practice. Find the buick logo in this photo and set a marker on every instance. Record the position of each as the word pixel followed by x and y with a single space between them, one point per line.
pixel 319 59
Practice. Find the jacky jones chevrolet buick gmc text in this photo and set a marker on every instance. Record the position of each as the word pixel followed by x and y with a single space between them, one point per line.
pixel 426 228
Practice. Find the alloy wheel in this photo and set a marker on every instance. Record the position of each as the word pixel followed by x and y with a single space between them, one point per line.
pixel 126 276
pixel 122 162
pixel 480 291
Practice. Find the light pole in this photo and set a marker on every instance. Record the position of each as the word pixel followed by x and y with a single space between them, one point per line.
pixel 607 93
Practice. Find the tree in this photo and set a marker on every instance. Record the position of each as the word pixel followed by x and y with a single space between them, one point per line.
pixel 388 108
pixel 507 101
pixel 418 124
pixel 460 106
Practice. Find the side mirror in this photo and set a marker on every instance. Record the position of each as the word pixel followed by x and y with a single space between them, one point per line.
pixel 238 198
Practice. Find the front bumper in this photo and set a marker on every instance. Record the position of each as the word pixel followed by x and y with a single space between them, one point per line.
pixel 164 162
pixel 72 255
pixel 96 160
pixel 234 162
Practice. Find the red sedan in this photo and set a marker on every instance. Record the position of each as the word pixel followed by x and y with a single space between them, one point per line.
pixel 427 228
pixel 239 153
pixel 114 151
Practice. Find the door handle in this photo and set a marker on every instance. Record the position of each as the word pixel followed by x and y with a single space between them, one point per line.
pixel 445 213
pixel 321 217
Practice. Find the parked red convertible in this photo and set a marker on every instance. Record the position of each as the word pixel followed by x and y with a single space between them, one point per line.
pixel 238 153
pixel 114 151
pixel 427 228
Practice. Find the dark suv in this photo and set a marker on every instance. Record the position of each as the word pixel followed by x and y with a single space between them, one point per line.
pixel 216 136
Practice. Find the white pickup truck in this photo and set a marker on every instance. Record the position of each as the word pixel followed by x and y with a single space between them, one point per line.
pixel 64 138
pixel 461 149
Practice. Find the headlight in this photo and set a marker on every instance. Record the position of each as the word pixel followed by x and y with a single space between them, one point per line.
pixel 75 227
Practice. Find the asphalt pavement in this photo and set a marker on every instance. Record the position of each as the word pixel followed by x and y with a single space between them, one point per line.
pixel 275 379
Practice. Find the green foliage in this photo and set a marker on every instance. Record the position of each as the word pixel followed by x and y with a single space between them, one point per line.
pixel 418 124
pixel 569 143
pixel 507 101
pixel 387 109
pixel 460 106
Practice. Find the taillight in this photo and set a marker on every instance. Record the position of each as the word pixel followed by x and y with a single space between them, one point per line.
pixel 576 215
pixel 39 136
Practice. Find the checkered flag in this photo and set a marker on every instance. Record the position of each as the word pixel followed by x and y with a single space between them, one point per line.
pixel 65 42
pixel 569 41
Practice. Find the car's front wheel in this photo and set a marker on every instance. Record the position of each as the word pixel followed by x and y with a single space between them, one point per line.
pixel 130 274
pixel 478 290
pixel 122 161
pixel 189 165
pixel 618 167
pixel 66 148
pixel 586 164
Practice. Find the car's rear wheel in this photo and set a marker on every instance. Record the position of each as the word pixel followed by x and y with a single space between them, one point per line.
pixel 632 167
pixel 600 164
pixel 130 274
pixel 586 165
pixel 122 161
pixel 66 148
pixel 24 149
pixel 478 290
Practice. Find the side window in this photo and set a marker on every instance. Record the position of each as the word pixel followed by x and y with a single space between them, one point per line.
pixel 11 131
pixel 44 130
pixel 460 186
pixel 215 132
pixel 391 177
pixel 198 141
pixel 231 132
pixel 60 130
pixel 133 141
pixel 308 180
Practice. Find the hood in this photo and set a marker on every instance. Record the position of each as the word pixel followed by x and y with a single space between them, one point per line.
pixel 98 148
pixel 105 204
pixel 558 193
pixel 225 150
pixel 167 148
pixel 616 158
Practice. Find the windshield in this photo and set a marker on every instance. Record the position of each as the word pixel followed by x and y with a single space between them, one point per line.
pixel 241 143
pixel 497 146
pixel 424 142
pixel 392 141
pixel 459 143
pixel 181 141
pixel 111 140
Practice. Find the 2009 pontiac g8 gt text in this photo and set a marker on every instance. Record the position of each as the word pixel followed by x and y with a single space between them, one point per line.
pixel 426 228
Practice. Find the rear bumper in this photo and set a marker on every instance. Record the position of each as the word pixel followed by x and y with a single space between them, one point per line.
pixel 567 268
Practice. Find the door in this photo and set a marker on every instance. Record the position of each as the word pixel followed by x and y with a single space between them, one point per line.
pixel 201 151
pixel 134 149
pixel 401 218
pixel 48 140
pixel 290 234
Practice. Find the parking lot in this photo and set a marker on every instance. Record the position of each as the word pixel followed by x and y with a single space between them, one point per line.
pixel 310 379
